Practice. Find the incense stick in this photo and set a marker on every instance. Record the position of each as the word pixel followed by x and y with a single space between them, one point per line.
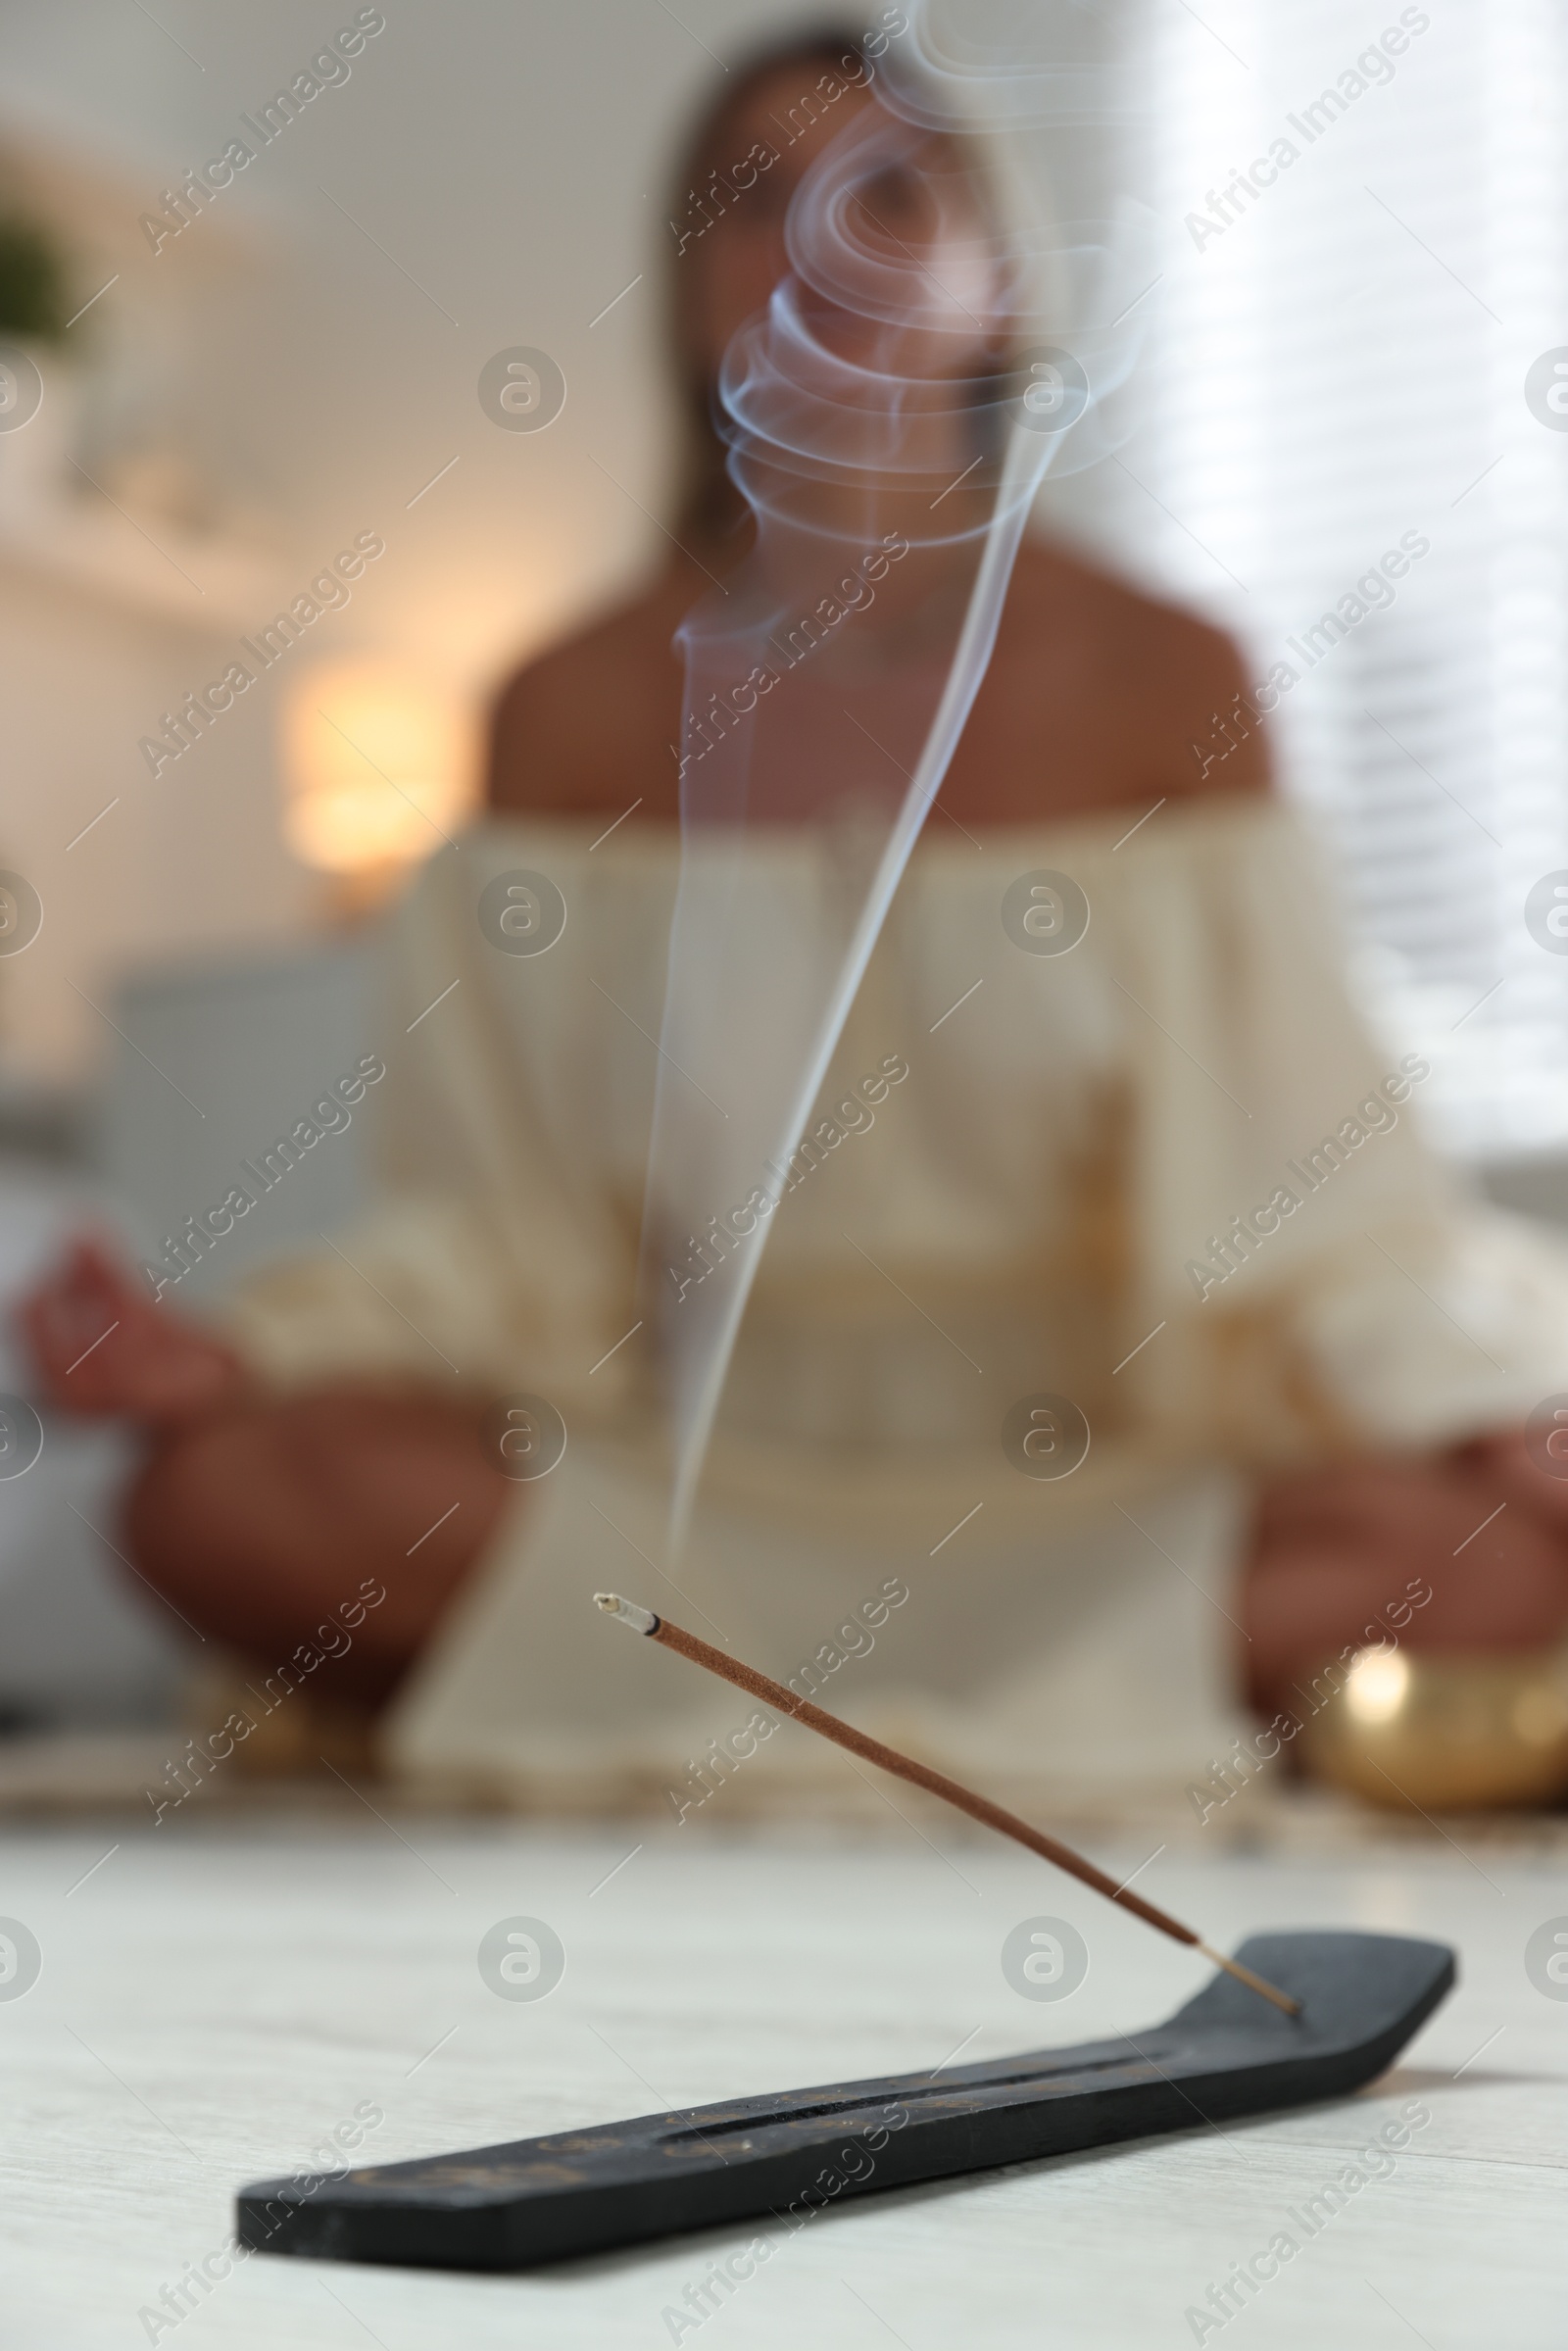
pixel 935 1784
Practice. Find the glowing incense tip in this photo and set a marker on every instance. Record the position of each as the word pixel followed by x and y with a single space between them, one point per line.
pixel 626 1612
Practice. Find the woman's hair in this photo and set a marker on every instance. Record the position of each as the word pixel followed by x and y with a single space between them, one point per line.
pixel 708 505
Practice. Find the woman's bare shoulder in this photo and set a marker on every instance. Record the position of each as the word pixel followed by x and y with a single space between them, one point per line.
pixel 1172 683
pixel 584 723
pixel 1052 577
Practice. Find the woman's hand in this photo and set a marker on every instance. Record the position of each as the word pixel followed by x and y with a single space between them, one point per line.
pixel 256 1515
pixel 100 1344
pixel 1482 1529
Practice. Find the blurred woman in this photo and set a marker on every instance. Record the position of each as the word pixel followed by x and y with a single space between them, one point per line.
pixel 1164 1182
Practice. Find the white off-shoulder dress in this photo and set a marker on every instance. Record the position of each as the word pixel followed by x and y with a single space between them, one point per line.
pixel 1166 1176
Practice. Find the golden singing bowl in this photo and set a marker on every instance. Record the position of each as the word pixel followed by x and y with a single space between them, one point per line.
pixel 272 1726
pixel 1443 1733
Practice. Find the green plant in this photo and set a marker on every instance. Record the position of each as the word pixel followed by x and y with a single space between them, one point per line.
pixel 32 282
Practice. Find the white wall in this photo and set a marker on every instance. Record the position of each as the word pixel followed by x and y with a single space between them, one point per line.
pixel 510 159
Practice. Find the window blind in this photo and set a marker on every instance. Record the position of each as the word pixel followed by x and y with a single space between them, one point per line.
pixel 1362 228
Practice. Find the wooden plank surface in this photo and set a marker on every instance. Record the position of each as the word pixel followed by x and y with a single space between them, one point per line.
pixel 216 2001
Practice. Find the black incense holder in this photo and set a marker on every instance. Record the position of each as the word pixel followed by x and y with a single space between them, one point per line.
pixel 534 2200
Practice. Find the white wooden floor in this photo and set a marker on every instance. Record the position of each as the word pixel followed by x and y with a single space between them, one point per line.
pixel 215 1999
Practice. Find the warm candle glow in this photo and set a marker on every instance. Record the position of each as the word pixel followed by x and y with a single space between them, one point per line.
pixel 379 767
pixel 1376 1685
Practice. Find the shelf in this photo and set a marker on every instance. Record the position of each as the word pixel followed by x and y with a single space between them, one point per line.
pixel 155 568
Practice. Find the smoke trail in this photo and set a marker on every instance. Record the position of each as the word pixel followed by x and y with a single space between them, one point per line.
pixel 937 344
